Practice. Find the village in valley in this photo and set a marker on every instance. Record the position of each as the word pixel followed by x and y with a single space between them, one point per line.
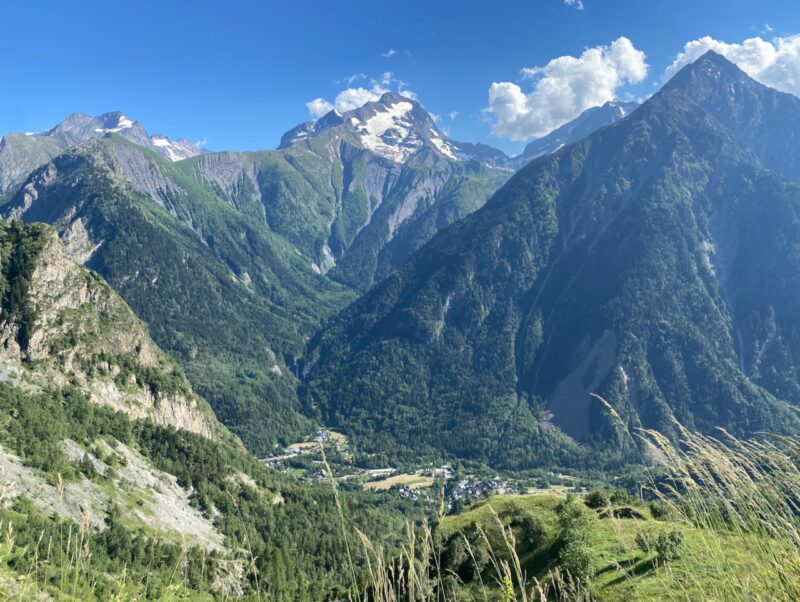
pixel 329 457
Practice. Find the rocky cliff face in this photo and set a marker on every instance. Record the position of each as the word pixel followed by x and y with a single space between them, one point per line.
pixel 355 214
pixel 61 324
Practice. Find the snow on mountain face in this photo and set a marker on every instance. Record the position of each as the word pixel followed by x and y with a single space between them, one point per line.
pixel 174 150
pixel 394 127
pixel 123 123
pixel 387 134
pixel 394 133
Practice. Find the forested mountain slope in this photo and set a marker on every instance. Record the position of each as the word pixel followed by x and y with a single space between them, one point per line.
pixel 229 300
pixel 655 262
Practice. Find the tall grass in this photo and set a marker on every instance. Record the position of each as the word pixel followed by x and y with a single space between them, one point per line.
pixel 743 498
pixel 739 500
pixel 417 574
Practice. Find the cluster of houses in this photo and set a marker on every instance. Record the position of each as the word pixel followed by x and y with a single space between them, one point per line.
pixel 474 488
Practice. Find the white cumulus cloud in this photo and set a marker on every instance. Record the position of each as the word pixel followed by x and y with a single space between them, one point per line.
pixel 563 89
pixel 775 63
pixel 318 107
pixel 576 4
pixel 354 97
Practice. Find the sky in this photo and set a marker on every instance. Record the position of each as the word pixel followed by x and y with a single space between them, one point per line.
pixel 238 74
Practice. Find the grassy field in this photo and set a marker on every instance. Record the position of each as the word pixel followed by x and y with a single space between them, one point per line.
pixel 304 445
pixel 414 481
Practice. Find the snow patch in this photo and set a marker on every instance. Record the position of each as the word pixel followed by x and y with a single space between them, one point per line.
pixel 123 124
pixel 443 147
pixel 389 135
pixel 171 150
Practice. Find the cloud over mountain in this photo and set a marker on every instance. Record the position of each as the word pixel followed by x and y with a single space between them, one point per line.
pixel 774 63
pixel 354 97
pixel 564 88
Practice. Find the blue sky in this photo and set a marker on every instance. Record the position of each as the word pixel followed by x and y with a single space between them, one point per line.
pixel 240 73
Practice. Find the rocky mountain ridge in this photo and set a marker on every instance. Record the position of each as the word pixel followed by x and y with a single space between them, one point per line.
pixel 21 153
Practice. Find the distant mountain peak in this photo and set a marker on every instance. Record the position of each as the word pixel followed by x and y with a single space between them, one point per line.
pixel 397 126
pixel 711 57
pixel 394 127
pixel 79 127
pixel 583 125
pixel 115 122
pixel 21 153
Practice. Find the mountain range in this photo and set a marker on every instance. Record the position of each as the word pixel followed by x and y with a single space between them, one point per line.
pixel 272 243
pixel 480 308
pixel 169 314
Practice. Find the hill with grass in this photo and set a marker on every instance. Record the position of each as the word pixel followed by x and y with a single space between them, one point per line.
pixel 715 520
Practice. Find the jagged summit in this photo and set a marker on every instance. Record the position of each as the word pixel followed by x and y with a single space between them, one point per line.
pixel 82 126
pixel 394 127
pixel 22 153
pixel 79 127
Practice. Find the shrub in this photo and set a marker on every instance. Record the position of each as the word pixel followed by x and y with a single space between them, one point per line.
pixel 620 497
pixel 86 466
pixel 669 545
pixel 576 558
pixel 659 510
pixel 597 499
pixel 576 555
pixel 643 542
pixel 532 532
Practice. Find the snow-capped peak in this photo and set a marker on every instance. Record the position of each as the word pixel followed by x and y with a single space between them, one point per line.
pixel 387 133
pixel 394 127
